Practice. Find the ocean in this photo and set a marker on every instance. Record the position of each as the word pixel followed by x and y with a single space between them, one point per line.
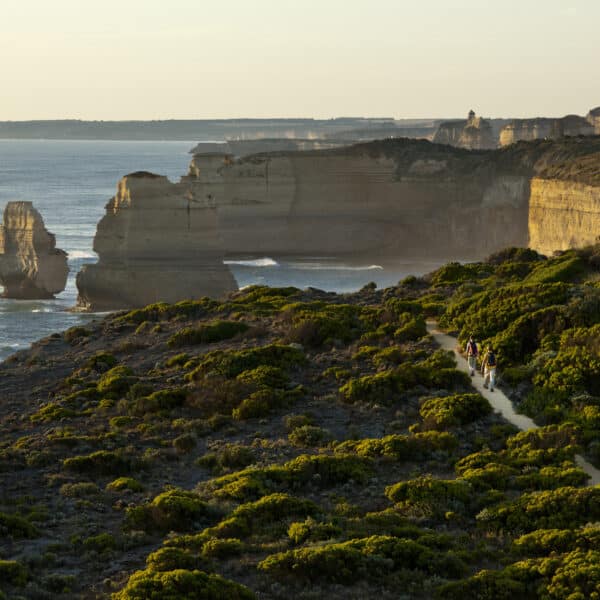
pixel 70 182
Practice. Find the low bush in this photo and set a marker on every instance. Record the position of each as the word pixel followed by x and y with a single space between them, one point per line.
pixel 170 558
pixel 175 509
pixel 13 573
pixel 125 483
pixel 16 526
pixel 181 583
pixel 230 456
pixel 554 509
pixel 221 548
pixel 208 333
pixel 309 435
pixel 116 381
pixel 101 462
pixel 452 411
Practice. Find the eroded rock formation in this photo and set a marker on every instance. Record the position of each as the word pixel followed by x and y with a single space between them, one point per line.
pixel 474 133
pixel 31 267
pixel 157 242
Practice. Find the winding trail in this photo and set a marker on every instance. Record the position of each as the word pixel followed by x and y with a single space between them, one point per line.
pixel 497 399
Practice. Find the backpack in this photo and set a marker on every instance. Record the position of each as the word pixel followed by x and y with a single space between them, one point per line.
pixel 491 359
pixel 473 348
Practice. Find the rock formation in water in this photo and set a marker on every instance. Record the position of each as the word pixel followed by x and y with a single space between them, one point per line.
pixel 157 242
pixel 383 201
pixel 593 118
pixel 474 133
pixel 31 267
pixel 542 128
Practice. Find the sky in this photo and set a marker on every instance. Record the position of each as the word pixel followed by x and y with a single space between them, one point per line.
pixel 174 59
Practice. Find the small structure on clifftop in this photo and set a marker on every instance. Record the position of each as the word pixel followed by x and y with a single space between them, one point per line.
pixel 158 242
pixel 474 133
pixel 31 267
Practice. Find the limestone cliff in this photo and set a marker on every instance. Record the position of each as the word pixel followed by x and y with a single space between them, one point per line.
pixel 544 128
pixel 31 267
pixel 385 200
pixel 381 200
pixel 563 215
pixel 474 133
pixel 157 242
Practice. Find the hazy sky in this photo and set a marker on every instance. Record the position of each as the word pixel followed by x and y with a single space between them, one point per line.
pixel 154 59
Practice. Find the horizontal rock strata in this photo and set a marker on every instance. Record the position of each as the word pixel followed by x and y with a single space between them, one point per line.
pixel 157 242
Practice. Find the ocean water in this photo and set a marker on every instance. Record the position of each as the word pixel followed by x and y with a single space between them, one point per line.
pixel 70 182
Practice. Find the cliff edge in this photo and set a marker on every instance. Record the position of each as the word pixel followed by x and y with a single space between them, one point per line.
pixel 158 242
pixel 31 267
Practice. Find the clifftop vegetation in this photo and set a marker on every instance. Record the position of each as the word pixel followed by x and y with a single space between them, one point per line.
pixel 289 443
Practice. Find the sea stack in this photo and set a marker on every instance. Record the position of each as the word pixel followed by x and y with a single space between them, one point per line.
pixel 158 242
pixel 31 267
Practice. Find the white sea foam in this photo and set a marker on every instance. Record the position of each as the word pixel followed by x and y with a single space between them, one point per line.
pixel 258 262
pixel 76 254
pixel 334 267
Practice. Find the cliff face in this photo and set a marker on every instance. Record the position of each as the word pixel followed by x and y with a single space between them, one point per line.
pixel 157 242
pixel 384 200
pixel 563 215
pixel 31 267
pixel 541 128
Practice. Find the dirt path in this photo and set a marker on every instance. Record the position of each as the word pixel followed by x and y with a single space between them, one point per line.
pixel 497 399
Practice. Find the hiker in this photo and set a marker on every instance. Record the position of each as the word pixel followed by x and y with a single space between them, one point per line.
pixel 472 353
pixel 488 367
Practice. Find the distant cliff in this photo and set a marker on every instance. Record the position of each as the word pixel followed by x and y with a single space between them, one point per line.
pixel 474 133
pixel 541 128
pixel 31 267
pixel 157 242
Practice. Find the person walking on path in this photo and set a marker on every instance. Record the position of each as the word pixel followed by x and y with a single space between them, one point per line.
pixel 472 353
pixel 488 367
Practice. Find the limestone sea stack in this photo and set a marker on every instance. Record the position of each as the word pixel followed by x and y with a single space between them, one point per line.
pixel 31 267
pixel 158 242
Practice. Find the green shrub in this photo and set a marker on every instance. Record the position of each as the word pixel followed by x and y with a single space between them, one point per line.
pixel 185 443
pixel 76 333
pixel 101 462
pixel 103 542
pixel 230 456
pixel 209 333
pixel 170 558
pixel 314 531
pixel 178 360
pixel 369 558
pixel 16 526
pixel 52 412
pixel 272 511
pixel 563 269
pixel 175 509
pixel 487 585
pixel 181 583
pixel 116 381
pixel 230 363
pixel 13 573
pixel 102 361
pixel 264 376
pixel 161 400
pixel 79 490
pixel 125 483
pixel 562 508
pixel 402 447
pixel 292 422
pixel 222 548
pixel 431 496
pixel 451 411
pixel 546 541
pixel 262 402
pixel 309 435
pixel 161 311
